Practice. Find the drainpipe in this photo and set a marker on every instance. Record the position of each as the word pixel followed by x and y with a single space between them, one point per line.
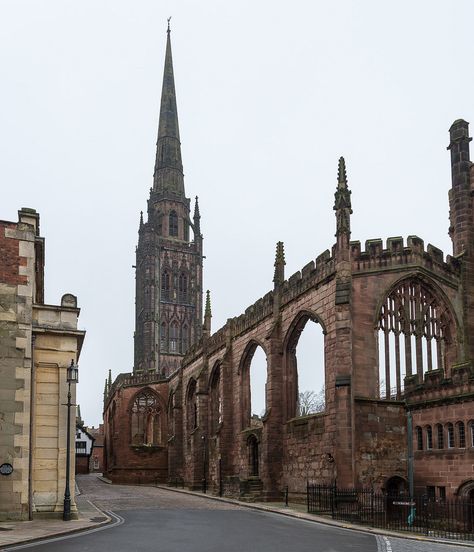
pixel 31 432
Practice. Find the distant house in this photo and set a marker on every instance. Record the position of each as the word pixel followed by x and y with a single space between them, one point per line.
pixel 84 445
pixel 97 458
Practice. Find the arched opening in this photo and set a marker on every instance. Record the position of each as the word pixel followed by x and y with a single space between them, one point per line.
pixel 253 372
pixel 191 407
pixel 184 338
pixel 174 337
pixel 215 410
pixel 173 224
pixel 183 287
pixel 396 486
pixel 252 446
pixel 414 335
pixel 165 286
pixel 305 367
pixel 146 419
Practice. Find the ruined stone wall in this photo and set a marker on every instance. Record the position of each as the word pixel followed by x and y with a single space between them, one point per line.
pixel 127 462
pixel 380 446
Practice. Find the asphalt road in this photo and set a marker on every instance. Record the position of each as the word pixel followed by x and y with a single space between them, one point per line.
pixel 156 520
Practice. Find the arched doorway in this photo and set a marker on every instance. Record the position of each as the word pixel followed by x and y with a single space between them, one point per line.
pixel 252 445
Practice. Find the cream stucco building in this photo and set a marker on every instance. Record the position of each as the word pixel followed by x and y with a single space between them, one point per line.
pixel 37 344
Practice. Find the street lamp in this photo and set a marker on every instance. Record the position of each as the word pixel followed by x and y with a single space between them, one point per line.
pixel 72 377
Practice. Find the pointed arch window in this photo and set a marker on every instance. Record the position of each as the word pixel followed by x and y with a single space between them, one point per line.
pixel 429 438
pixel 191 407
pixel 419 438
pixel 450 429
pixel 163 343
pixel 414 335
pixel 174 337
pixel 146 419
pixel 173 224
pixel 440 431
pixel 165 286
pixel 185 338
pixel 183 287
pixel 216 401
pixel 461 430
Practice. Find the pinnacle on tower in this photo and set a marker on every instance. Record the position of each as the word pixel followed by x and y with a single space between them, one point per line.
pixel 168 175
pixel 341 173
pixel 141 219
pixel 105 390
pixel 110 379
pixel 279 275
pixel 207 315
pixel 342 201
pixel 197 216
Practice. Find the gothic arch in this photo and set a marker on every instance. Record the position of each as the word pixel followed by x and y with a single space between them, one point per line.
pixel 414 315
pixel 147 416
pixel 244 383
pixel 437 291
pixel 290 363
pixel 215 398
pixel 191 406
pixel 466 489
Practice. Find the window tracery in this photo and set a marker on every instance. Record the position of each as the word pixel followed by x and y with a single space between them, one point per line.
pixel 146 419
pixel 216 400
pixel 413 335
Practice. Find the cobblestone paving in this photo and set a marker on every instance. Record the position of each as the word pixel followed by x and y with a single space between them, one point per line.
pixel 124 497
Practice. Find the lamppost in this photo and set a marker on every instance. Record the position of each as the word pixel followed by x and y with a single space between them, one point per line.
pixel 72 377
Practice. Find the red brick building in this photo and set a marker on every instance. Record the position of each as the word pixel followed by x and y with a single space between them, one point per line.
pixel 397 319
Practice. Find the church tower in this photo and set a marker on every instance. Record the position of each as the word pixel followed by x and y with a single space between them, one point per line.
pixel 168 300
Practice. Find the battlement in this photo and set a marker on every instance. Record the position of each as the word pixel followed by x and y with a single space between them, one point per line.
pixel 396 253
pixel 310 276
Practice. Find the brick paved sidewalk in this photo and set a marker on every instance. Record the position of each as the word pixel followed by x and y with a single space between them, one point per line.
pixel 16 532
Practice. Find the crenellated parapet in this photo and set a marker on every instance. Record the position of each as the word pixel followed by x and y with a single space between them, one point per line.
pixel 311 276
pixel 396 255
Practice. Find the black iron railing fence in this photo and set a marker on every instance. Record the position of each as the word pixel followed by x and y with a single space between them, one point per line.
pixel 453 519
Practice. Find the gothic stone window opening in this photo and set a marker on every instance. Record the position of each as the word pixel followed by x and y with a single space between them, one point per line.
pixel 440 432
pixel 183 287
pixel 163 340
pixel 305 367
pixel 413 336
pixel 173 224
pixel 174 338
pixel 165 286
pixel 146 419
pixel 419 438
pixel 191 407
pixel 252 445
pixel 429 438
pixel 215 400
pixel 254 373
pixel 450 429
pixel 184 338
pixel 461 431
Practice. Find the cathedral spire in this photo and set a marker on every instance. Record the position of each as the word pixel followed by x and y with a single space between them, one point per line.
pixel 168 175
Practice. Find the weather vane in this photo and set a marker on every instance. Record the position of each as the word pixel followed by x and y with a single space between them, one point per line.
pixel 169 19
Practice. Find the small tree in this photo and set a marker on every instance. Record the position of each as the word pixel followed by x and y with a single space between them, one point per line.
pixel 310 402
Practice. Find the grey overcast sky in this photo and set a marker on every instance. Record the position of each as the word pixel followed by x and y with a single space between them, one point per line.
pixel 270 94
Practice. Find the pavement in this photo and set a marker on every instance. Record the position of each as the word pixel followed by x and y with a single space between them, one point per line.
pixel 19 532
pixel 98 502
